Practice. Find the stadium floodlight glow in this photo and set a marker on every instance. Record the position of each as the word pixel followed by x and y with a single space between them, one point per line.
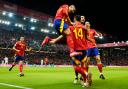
pixel 33 20
pixel 24 18
pixel 16 24
pixel 4 13
pixel 50 24
pixel 10 14
pixel 42 30
pixel 7 22
pixel 101 37
pixel 46 31
pixel 53 32
pixel 20 25
pixel 32 28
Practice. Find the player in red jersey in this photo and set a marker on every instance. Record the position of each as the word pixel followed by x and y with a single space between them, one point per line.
pixel 19 48
pixel 92 49
pixel 46 61
pixel 61 24
pixel 76 73
pixel 79 34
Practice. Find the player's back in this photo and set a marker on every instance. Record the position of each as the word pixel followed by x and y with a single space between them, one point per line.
pixel 61 12
pixel 79 36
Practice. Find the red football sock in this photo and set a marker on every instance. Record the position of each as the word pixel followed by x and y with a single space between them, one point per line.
pixel 86 68
pixel 81 71
pixel 100 67
pixel 70 43
pixel 20 68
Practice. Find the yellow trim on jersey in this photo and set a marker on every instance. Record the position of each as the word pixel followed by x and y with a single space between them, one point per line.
pixel 62 25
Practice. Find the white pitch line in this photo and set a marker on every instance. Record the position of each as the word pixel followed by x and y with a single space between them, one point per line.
pixel 10 85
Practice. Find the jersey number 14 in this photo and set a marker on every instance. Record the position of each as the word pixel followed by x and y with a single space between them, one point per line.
pixel 78 33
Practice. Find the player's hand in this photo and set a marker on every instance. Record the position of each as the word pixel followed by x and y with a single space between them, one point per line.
pixel 17 50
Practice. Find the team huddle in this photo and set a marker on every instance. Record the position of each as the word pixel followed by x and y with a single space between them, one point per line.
pixel 80 40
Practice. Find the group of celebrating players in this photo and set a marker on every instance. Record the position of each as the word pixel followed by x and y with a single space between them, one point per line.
pixel 80 40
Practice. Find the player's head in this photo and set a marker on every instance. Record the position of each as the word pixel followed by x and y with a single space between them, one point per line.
pixel 87 24
pixel 77 18
pixel 21 38
pixel 83 19
pixel 72 8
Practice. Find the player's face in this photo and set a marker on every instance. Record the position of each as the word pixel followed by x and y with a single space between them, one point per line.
pixel 72 9
pixel 82 19
pixel 21 38
pixel 87 25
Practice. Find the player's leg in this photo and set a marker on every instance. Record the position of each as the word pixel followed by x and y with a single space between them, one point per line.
pixel 21 68
pixel 14 63
pixel 78 69
pixel 50 40
pixel 75 63
pixel 76 75
pixel 87 63
pixel 87 80
pixel 99 63
pixel 81 69
pixel 60 26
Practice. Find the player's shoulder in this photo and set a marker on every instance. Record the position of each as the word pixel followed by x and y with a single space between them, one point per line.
pixel 18 42
pixel 92 29
pixel 79 25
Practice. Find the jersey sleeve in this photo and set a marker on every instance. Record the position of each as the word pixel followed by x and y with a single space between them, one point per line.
pixel 94 32
pixel 16 44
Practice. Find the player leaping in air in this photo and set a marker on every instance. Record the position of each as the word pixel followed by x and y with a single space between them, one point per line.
pixel 61 24
pixel 20 48
pixel 93 50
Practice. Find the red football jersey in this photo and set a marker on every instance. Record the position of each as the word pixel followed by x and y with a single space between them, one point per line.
pixel 78 35
pixel 21 46
pixel 62 12
pixel 92 33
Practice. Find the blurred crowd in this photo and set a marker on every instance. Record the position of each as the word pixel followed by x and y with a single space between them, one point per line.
pixel 57 54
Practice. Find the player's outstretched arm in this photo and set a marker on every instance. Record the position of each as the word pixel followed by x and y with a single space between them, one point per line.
pixel 14 48
pixel 98 34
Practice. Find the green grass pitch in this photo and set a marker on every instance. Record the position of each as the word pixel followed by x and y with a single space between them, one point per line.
pixel 62 78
